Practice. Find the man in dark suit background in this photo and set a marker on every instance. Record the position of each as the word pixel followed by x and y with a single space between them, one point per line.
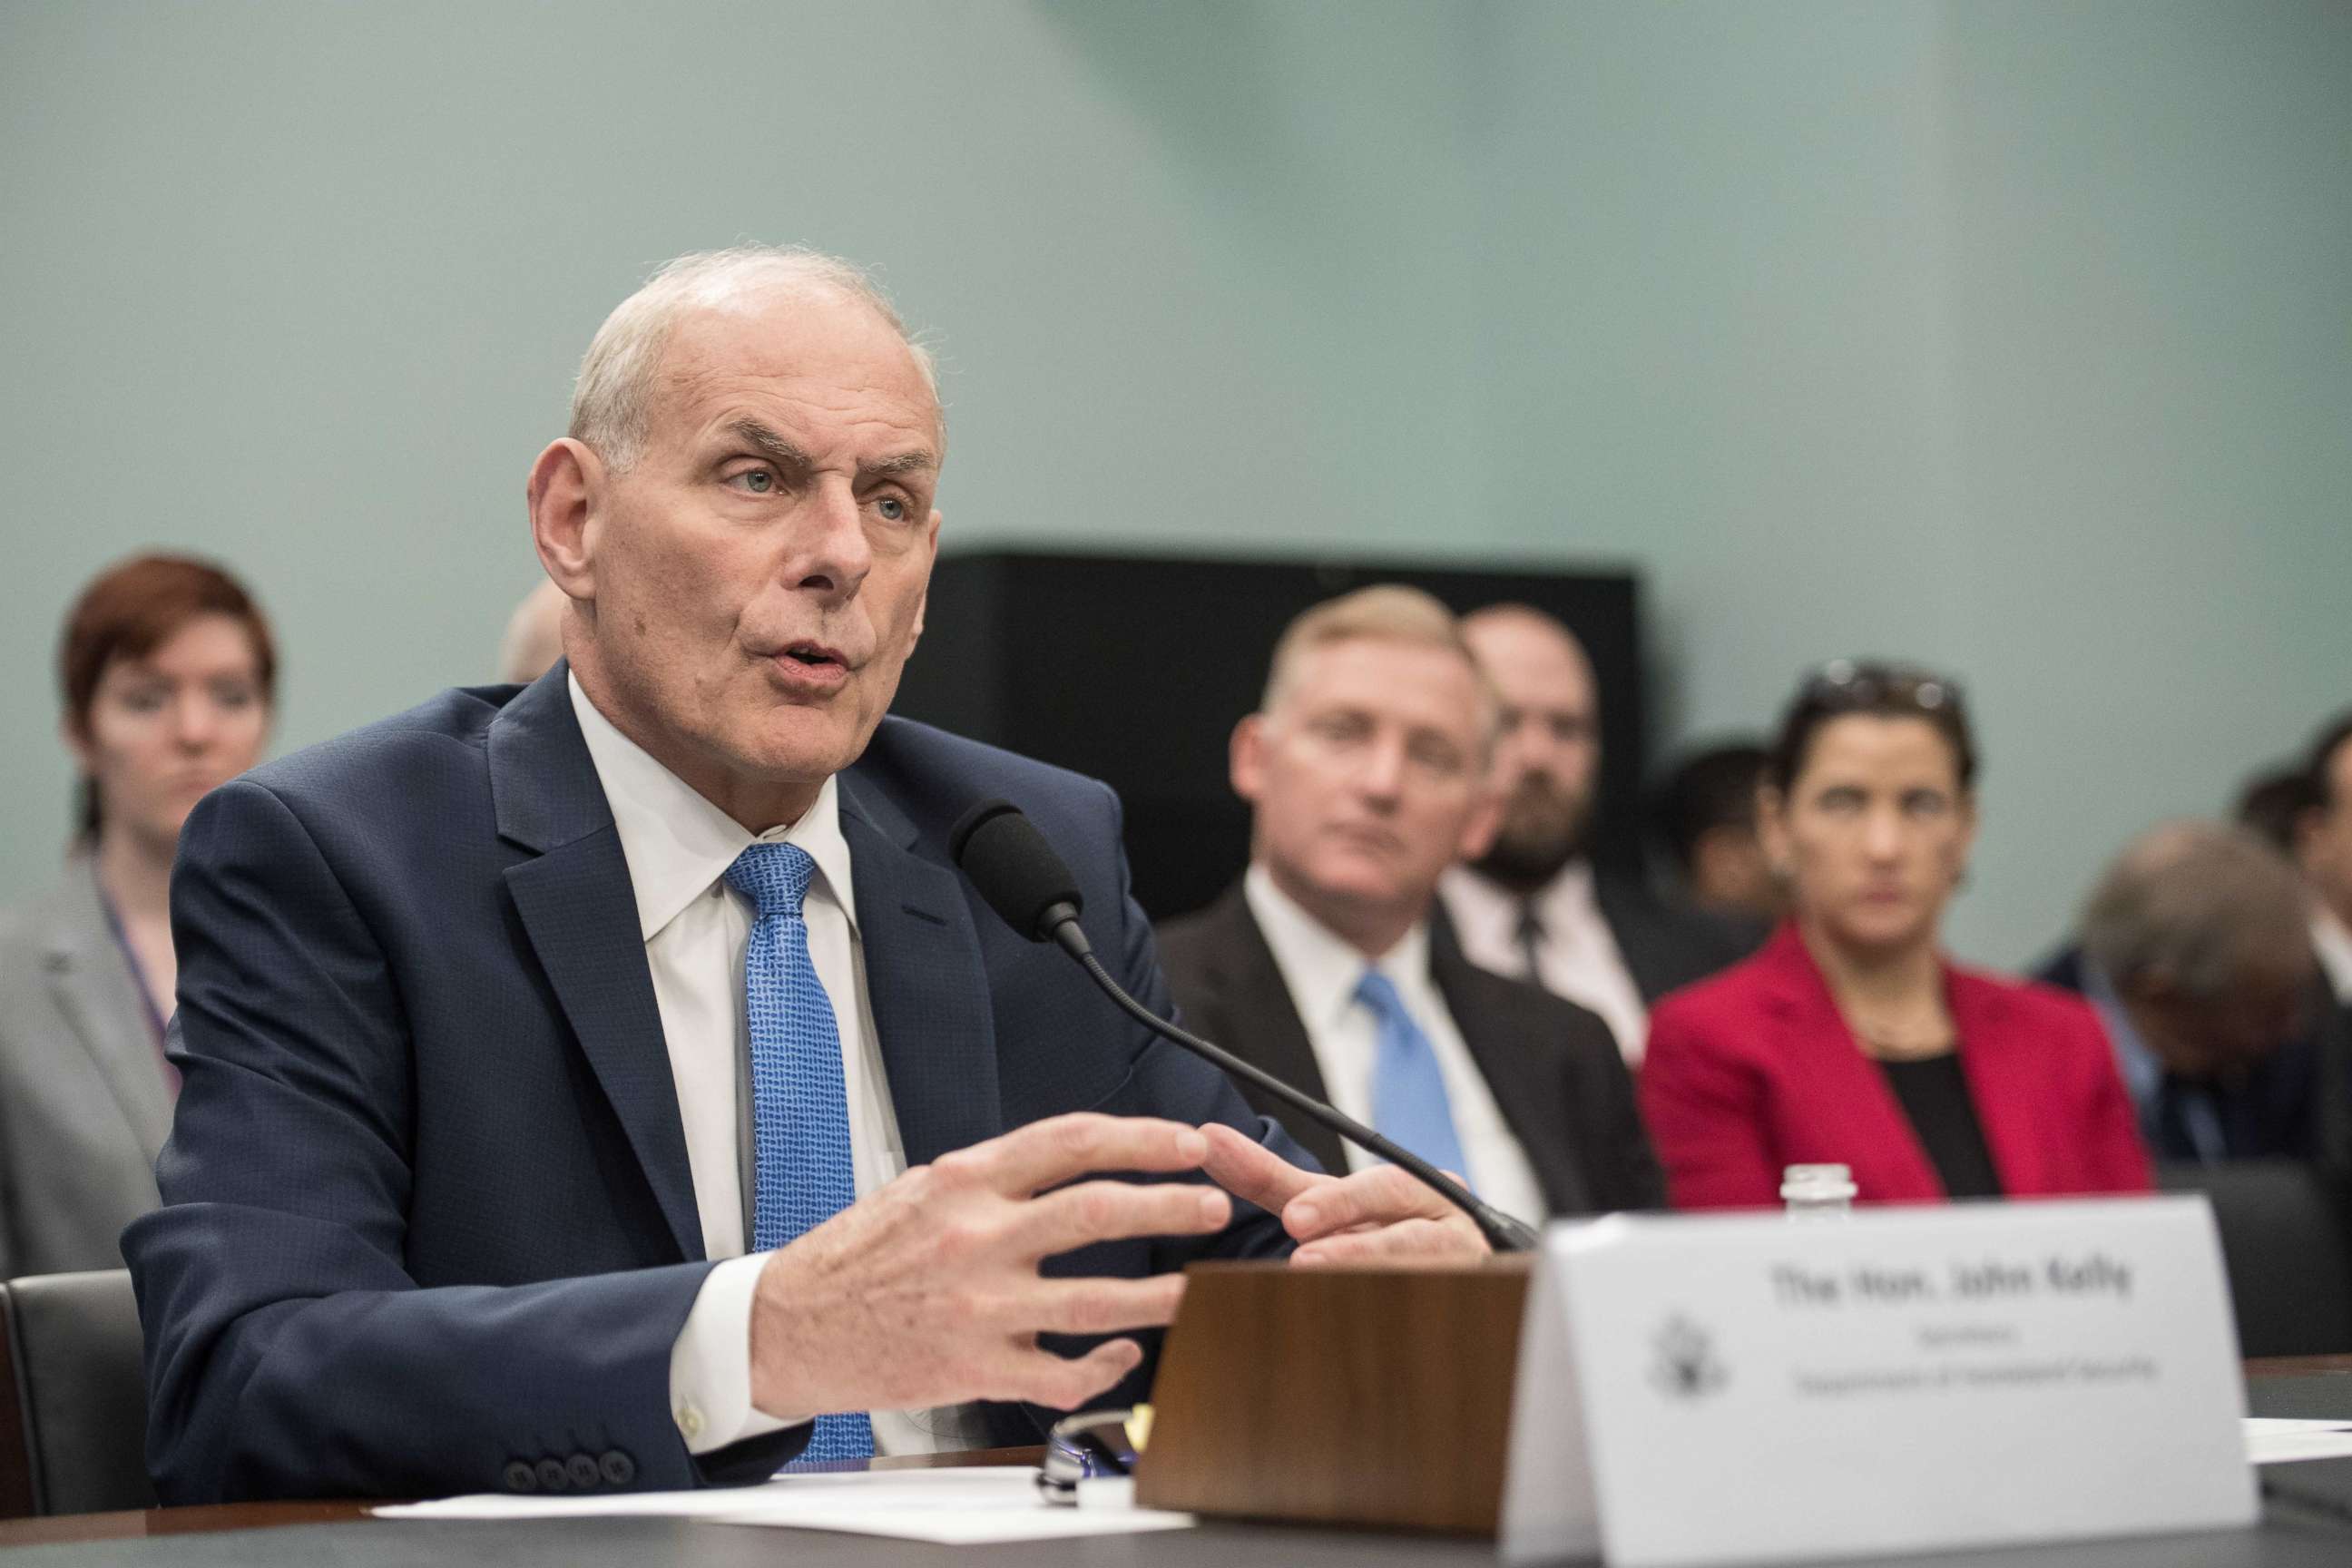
pixel 2193 948
pixel 610 1082
pixel 1366 768
pixel 1533 906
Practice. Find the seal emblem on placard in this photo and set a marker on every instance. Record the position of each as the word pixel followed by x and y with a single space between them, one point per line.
pixel 1684 1365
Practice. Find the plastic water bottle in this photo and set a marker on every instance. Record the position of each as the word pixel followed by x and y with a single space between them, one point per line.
pixel 1818 1191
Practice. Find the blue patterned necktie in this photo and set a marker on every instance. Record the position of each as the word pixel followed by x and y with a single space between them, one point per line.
pixel 800 1111
pixel 1409 1104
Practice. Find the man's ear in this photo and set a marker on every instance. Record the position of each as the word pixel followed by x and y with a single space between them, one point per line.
pixel 1486 821
pixel 2308 824
pixel 2155 988
pixel 566 494
pixel 1245 757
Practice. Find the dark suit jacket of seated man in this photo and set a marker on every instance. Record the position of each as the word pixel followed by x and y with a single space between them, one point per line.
pixel 1554 1067
pixel 455 1107
pixel 429 1211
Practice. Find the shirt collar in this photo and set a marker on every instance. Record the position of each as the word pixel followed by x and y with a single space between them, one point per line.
pixel 676 843
pixel 2332 939
pixel 1479 901
pixel 2143 1072
pixel 1320 967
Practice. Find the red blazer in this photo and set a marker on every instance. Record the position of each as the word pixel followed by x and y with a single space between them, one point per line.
pixel 1755 1070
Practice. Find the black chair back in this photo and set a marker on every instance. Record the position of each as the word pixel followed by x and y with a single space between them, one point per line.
pixel 2286 1239
pixel 78 1419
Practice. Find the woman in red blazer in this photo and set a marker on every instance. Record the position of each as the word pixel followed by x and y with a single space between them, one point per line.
pixel 1848 1039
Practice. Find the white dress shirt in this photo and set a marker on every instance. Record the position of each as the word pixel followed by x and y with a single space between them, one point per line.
pixel 1578 955
pixel 678 846
pixel 2333 939
pixel 1321 971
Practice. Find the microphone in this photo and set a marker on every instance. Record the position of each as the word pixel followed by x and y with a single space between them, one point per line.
pixel 1027 883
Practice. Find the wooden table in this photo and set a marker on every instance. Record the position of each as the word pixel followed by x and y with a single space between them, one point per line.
pixel 2319 1386
pixel 136 1523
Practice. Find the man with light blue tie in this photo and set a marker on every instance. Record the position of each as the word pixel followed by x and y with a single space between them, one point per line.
pixel 610 1083
pixel 1330 964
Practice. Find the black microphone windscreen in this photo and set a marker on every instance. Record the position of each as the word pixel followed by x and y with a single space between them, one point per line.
pixel 1015 868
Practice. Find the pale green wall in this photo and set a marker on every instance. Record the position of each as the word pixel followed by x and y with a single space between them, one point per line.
pixel 2010 336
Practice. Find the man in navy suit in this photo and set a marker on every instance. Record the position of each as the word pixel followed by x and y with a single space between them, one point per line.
pixel 610 1082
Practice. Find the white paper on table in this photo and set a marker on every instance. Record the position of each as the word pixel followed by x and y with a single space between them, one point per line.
pixel 976 1506
pixel 2272 1440
pixel 972 1504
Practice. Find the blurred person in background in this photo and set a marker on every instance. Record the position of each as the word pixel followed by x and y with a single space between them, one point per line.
pixel 1706 812
pixel 2272 802
pixel 1849 1038
pixel 1532 906
pixel 534 637
pixel 2323 850
pixel 2194 949
pixel 1365 767
pixel 168 674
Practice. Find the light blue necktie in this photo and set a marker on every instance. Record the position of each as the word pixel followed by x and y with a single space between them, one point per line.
pixel 800 1112
pixel 1409 1104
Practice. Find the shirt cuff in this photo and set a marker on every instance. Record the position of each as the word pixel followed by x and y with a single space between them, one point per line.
pixel 710 1365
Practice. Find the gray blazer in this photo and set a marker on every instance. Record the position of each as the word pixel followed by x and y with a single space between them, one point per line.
pixel 84 1106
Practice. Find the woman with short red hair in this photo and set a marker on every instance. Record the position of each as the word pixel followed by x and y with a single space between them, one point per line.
pixel 168 675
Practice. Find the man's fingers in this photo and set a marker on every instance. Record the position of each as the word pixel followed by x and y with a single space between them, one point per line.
pixel 1058 1382
pixel 1047 1153
pixel 1114 1211
pixel 1104 1306
pixel 1252 1172
pixel 1381 1194
pixel 1434 1241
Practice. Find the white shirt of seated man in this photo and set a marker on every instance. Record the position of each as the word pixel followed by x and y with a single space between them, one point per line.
pixel 678 847
pixel 742 522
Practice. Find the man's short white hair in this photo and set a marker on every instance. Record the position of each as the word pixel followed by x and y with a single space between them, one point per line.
pixel 612 402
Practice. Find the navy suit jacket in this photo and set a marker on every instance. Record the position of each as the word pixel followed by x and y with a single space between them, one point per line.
pixel 429 1225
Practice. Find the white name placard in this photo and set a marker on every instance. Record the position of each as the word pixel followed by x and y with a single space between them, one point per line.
pixel 1713 1389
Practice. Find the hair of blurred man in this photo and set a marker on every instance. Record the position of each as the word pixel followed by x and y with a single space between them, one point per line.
pixel 534 635
pixel 168 675
pixel 2199 928
pixel 1868 808
pixel 1366 765
pixel 1384 612
pixel 1548 756
pixel 2323 840
pixel 2272 802
pixel 613 398
pixel 1705 813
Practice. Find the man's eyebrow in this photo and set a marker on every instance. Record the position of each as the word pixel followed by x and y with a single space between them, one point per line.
pixel 752 433
pixel 902 464
pixel 785 453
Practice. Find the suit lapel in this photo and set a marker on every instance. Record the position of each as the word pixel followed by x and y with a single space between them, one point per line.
pixel 577 906
pixel 1258 1003
pixel 97 993
pixel 1534 1104
pixel 924 981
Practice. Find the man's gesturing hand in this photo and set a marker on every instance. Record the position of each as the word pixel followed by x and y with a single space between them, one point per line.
pixel 1376 1215
pixel 928 1293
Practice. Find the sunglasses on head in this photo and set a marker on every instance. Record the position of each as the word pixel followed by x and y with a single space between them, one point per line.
pixel 1845 684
